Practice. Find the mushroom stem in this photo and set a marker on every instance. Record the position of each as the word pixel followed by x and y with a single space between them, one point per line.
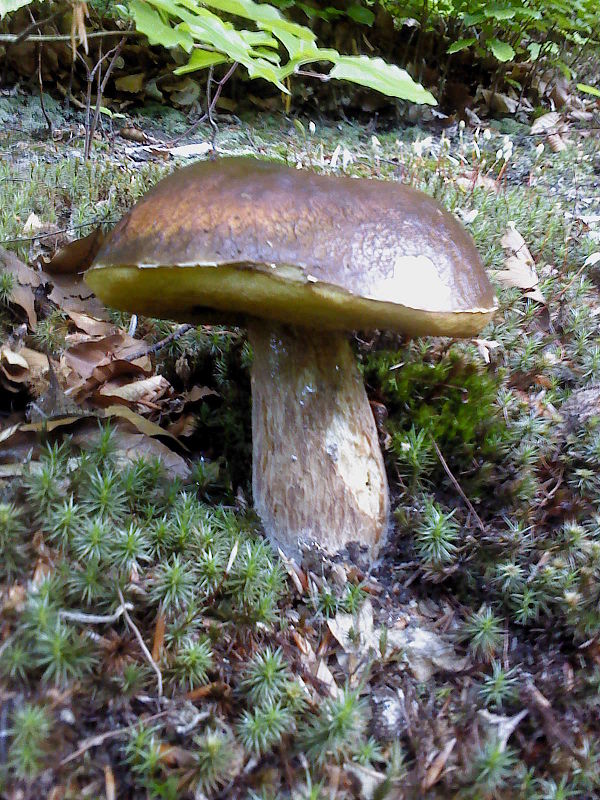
pixel 317 473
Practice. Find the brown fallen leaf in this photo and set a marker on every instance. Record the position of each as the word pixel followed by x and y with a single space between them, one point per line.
pixel 147 391
pixel 519 267
pixel 434 771
pixel 475 179
pixel 548 123
pixel 159 636
pixel 136 445
pixel 499 102
pixel 101 375
pixel 198 393
pixel 14 368
pixel 70 293
pixel 557 143
pixel 91 325
pixel 185 425
pixel 141 424
pixel 84 357
pixel 76 256
pixel 22 367
pixel 133 134
pixel 27 281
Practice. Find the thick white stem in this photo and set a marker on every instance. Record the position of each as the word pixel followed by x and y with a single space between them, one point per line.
pixel 317 471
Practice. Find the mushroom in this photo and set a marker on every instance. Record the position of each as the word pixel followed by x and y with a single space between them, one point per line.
pixel 301 259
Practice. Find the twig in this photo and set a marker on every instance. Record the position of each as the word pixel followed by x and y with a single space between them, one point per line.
pixel 176 334
pixel 457 486
pixel 211 105
pixel 11 38
pixel 41 85
pixel 55 233
pixel 115 53
pixel 142 644
pixel 95 619
pixel 95 741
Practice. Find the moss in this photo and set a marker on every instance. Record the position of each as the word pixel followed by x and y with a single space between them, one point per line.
pixel 445 399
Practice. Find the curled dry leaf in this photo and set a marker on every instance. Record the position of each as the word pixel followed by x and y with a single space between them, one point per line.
pixel 91 325
pixel 501 727
pixel 144 392
pixel 69 293
pixel 499 102
pixel 315 666
pixel 369 780
pixel 476 180
pixel 85 357
pixel 185 425
pixel 131 446
pixel 25 367
pixel 519 267
pixel 548 123
pixel 76 256
pixel 141 424
pixel 426 652
pixel 435 769
pixel 26 282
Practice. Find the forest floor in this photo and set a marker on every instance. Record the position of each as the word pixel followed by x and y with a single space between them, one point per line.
pixel 152 644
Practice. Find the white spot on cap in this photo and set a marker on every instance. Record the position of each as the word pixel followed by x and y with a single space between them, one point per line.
pixel 416 283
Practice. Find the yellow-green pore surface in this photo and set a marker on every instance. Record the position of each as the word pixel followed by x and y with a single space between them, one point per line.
pixel 244 236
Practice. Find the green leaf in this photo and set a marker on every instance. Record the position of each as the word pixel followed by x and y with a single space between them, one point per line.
pixel 501 50
pixel 6 6
pixel 360 14
pixel 201 59
pixel 461 44
pixel 385 78
pixel 263 14
pixel 534 50
pixel 585 87
pixel 149 22
pixel 473 19
pixel 495 11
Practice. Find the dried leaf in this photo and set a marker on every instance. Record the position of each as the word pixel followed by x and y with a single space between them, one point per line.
pixel 87 356
pixel 70 293
pixel 556 142
pixel 148 390
pixel 26 282
pixel 90 325
pixel 547 123
pixel 198 393
pixel 136 445
pixel 141 424
pixel 76 256
pixel 33 225
pixel 434 771
pixel 502 727
pixel 426 652
pixel 519 266
pixel 110 789
pixel 369 779
pixel 364 637
pixel 78 32
pixel 159 636
pixel 499 102
pixel 186 425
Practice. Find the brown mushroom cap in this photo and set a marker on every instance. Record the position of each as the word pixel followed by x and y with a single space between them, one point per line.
pixel 258 238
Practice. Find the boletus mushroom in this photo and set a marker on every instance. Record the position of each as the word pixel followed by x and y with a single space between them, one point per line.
pixel 302 259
